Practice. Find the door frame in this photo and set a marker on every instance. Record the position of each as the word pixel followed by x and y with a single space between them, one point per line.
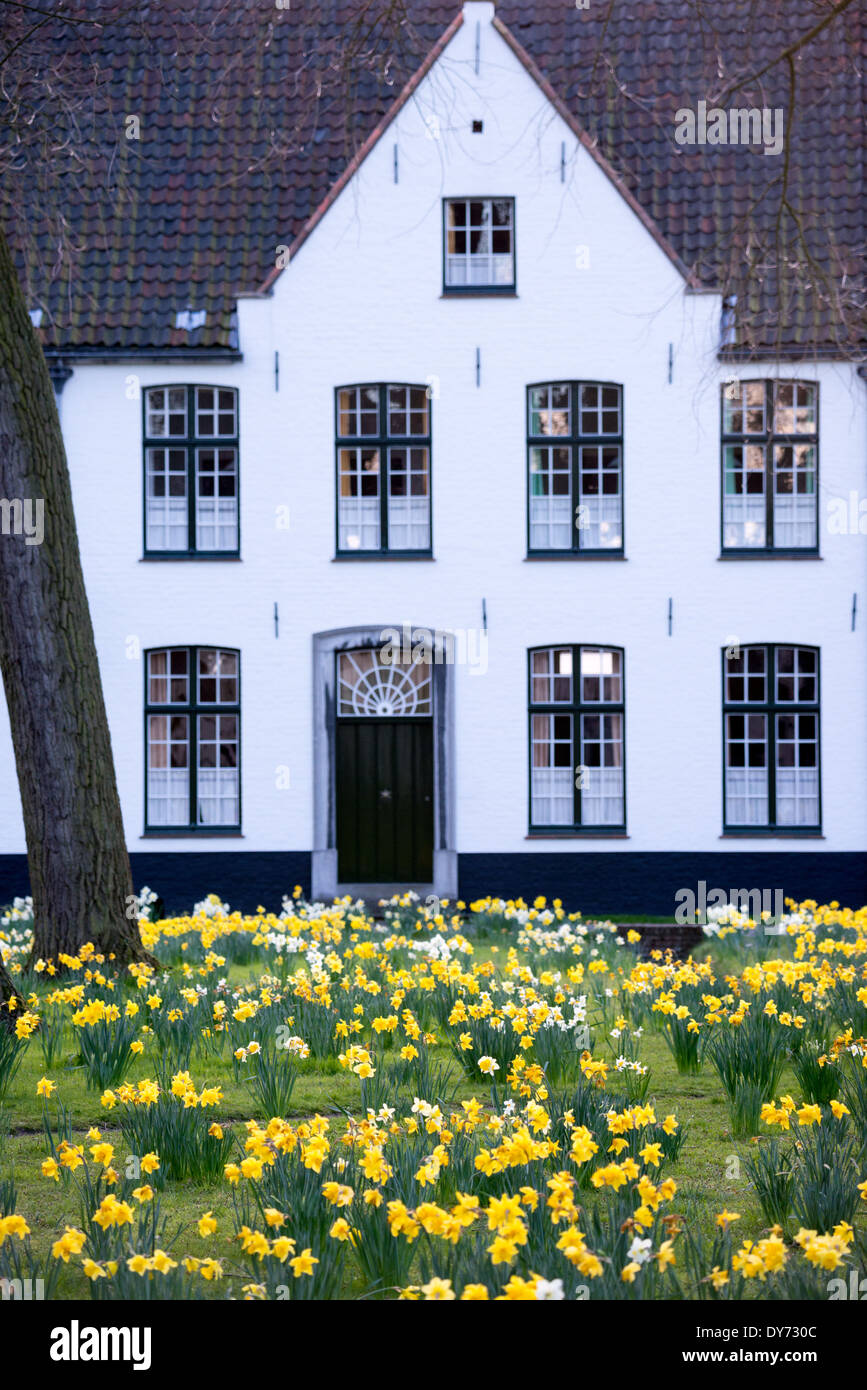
pixel 325 883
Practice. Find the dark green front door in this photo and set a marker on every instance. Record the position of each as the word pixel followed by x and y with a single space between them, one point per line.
pixel 385 800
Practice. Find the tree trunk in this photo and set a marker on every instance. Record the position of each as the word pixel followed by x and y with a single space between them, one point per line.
pixel 79 867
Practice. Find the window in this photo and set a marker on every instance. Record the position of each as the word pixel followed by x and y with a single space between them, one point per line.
pixel 576 738
pixel 193 739
pixel 383 469
pixel 575 461
pixel 479 244
pixel 770 465
pixel 370 686
pixel 771 732
pixel 191 470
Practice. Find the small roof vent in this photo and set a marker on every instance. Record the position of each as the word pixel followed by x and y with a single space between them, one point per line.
pixel 190 318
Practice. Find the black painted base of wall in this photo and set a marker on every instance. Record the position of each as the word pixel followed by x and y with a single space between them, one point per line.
pixel 244 879
pixel 592 882
pixel 648 883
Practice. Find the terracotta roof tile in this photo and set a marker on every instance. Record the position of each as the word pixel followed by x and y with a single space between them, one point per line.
pixel 246 124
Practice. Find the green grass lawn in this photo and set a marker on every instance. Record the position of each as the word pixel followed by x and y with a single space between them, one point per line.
pixel 703 1173
pixel 369 963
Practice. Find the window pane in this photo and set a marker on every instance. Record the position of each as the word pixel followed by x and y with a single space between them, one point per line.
pixel 166 412
pixel 601 675
pixel 358 412
pixel 407 411
pixel 168 778
pixel 218 676
pixel 371 685
pixel 166 513
pixel 358 512
pixel 408 504
pixel 795 407
pixel 550 410
pixel 602 758
pixel 599 491
pixel 744 407
pixel 216 412
pixel 217 773
pixel 744 512
pixel 797 676
pixel 745 671
pixel 216 499
pixel 551 770
pixel 158 685
pixel 746 777
pixel 797 769
pixel 167 677
pixel 551 676
pixel 599 410
pixel 551 498
pixel 795 499
pixel 479 246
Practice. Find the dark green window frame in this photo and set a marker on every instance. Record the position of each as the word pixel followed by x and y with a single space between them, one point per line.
pixel 191 442
pixel 769 440
pixel 489 288
pixel 575 441
pixel 383 442
pixel 761 700
pixel 191 709
pixel 573 706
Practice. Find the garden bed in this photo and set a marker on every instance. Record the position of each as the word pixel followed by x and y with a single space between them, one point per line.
pixel 501 1101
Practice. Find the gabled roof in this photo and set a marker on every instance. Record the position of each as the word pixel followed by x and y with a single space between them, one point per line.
pixel 559 106
pixel 250 115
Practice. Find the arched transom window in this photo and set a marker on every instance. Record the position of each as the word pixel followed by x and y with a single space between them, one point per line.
pixel 371 685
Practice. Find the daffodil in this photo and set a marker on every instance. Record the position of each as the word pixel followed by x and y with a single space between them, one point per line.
pixel 303 1263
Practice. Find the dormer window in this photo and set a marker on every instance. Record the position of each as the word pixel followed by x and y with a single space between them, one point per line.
pixel 479 245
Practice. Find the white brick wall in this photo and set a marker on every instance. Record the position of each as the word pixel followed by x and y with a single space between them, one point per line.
pixel 362 302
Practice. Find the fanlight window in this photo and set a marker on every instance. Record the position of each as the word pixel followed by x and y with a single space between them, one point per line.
pixel 372 686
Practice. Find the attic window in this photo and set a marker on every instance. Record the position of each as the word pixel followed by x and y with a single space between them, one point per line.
pixel 190 319
pixel 478 127
pixel 479 251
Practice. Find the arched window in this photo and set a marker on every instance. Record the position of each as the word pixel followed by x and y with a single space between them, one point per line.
pixel 370 685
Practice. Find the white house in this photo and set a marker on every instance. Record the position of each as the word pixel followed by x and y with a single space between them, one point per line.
pixel 481 562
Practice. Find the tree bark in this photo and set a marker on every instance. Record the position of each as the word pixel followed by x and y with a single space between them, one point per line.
pixel 80 875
